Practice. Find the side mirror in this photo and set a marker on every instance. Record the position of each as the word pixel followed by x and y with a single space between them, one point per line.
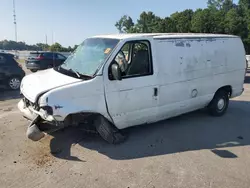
pixel 116 71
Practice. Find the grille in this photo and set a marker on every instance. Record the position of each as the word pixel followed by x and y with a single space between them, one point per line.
pixel 28 103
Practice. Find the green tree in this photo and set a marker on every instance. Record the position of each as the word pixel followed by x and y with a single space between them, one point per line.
pixel 56 47
pixel 235 24
pixel 147 22
pixel 215 4
pixel 74 48
pixel 228 5
pixel 245 4
pixel 218 19
pixel 69 49
pixel 182 20
pixel 203 21
pixel 125 24
pixel 220 16
pixel 42 46
pixel 169 25
pixel 13 45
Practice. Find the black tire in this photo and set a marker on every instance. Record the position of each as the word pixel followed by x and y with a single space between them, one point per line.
pixel 14 83
pixel 218 106
pixel 33 70
pixel 108 131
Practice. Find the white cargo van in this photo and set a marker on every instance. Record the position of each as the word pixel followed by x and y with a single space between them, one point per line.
pixel 118 81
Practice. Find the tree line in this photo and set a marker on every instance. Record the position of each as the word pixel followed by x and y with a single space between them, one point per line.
pixel 220 16
pixel 13 45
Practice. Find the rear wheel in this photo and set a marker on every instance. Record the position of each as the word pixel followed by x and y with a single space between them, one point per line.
pixel 218 106
pixel 14 83
pixel 33 70
pixel 108 131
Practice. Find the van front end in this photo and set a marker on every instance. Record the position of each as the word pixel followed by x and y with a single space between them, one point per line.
pixel 72 94
pixel 53 101
pixel 37 114
pixel 33 88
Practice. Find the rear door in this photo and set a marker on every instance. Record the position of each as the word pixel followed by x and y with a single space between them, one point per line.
pixel 59 59
pixel 49 59
pixel 8 67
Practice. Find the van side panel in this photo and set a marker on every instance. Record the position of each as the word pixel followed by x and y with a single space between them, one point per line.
pixel 81 97
pixel 193 69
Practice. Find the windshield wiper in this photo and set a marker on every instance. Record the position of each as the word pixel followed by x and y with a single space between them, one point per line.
pixel 80 75
pixel 77 73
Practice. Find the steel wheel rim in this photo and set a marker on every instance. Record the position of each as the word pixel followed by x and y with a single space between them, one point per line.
pixel 221 104
pixel 14 83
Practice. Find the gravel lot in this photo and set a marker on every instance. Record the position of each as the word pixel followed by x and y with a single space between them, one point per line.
pixel 194 150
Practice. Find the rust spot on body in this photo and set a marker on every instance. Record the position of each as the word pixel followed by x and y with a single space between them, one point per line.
pixel 180 44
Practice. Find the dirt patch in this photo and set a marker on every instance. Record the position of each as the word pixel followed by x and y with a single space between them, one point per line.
pixel 42 157
pixel 39 153
pixel 8 109
pixel 44 160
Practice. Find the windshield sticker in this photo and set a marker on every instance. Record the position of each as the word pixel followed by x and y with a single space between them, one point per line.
pixel 107 50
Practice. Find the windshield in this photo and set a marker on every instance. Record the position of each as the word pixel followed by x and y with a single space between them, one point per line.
pixel 89 55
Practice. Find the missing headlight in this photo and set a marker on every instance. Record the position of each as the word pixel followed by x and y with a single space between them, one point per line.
pixel 48 109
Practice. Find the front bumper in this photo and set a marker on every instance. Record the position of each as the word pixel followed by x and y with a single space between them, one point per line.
pixel 30 113
pixel 33 131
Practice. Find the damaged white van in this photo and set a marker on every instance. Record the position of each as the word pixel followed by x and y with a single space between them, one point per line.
pixel 118 81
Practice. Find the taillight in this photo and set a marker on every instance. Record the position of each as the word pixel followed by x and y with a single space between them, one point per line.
pixel 40 57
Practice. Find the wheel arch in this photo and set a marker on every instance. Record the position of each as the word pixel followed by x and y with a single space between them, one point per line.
pixel 226 88
pixel 86 115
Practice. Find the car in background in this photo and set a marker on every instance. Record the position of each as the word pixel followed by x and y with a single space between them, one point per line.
pixel 11 73
pixel 44 60
pixel 248 60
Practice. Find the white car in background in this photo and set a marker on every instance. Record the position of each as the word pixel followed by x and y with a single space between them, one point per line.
pixel 248 60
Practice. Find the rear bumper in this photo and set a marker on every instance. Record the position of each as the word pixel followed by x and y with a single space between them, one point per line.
pixel 237 93
pixel 33 66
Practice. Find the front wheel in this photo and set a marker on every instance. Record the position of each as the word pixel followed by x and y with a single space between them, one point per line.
pixel 14 83
pixel 108 131
pixel 32 70
pixel 218 106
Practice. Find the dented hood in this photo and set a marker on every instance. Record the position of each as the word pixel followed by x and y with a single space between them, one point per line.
pixel 38 83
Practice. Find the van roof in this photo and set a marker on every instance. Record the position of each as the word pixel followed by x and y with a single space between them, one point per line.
pixel 165 35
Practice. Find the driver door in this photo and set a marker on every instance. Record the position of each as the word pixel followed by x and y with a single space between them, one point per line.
pixel 134 99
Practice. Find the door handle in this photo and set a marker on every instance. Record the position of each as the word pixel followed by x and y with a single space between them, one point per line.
pixel 155 92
